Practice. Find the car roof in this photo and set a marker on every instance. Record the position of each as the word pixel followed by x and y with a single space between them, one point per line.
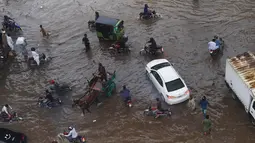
pixel 168 73
pixel 156 62
pixel 107 20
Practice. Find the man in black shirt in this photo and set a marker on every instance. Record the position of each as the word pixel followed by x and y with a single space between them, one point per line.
pixel 85 41
pixel 49 96
pixel 153 45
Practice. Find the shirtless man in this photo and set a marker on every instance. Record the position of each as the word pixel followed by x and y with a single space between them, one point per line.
pixel 44 33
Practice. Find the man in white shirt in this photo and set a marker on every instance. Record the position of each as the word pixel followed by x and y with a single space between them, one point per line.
pixel 4 110
pixel 10 42
pixel 36 56
pixel 212 45
pixel 20 46
pixel 72 134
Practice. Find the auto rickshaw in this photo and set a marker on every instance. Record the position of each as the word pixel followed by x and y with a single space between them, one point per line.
pixel 109 28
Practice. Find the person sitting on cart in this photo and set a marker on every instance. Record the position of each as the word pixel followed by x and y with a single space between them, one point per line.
pixel 125 93
pixel 102 72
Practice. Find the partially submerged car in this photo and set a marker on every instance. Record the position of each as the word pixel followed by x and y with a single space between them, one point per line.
pixel 167 81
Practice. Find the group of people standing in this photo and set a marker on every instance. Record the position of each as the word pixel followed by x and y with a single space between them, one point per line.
pixel 207 124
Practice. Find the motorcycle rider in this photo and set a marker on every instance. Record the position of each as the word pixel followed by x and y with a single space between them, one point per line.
pixel 85 41
pixel 8 21
pixel 159 105
pixel 49 96
pixel 155 107
pixel 121 43
pixel 212 45
pixel 4 111
pixel 54 86
pixel 102 72
pixel 72 135
pixel 7 18
pixel 217 41
pixel 153 45
pixel 125 93
pixel 146 10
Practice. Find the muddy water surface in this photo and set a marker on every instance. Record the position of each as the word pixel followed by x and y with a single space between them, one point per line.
pixel 184 31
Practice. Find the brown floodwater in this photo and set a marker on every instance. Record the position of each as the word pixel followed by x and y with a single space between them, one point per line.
pixel 184 30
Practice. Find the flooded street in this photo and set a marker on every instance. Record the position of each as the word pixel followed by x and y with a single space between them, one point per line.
pixel 184 31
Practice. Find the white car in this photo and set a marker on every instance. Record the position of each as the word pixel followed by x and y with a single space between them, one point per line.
pixel 167 81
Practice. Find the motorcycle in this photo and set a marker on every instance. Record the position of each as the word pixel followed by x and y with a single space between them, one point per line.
pixel 11 25
pixel 153 15
pixel 150 51
pixel 14 117
pixel 42 102
pixel 129 103
pixel 118 48
pixel 63 139
pixel 156 113
pixel 214 52
pixel 217 51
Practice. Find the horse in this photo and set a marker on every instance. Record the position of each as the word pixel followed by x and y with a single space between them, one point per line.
pixel 90 97
pixel 87 100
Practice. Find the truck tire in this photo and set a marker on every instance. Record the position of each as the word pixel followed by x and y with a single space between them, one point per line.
pixel 232 92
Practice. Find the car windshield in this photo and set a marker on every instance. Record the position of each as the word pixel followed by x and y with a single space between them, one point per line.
pixel 159 66
pixel 174 85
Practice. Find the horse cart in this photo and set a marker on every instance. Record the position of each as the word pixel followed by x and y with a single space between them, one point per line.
pixel 96 88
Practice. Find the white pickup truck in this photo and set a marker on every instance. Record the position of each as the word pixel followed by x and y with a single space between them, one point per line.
pixel 240 77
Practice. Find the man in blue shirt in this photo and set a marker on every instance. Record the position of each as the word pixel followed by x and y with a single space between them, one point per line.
pixel 204 103
pixel 125 93
pixel 217 41
pixel 146 10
